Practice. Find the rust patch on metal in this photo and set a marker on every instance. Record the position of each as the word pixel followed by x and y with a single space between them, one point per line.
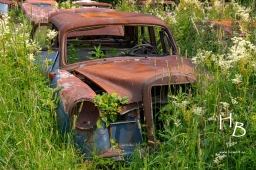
pixel 78 91
pixel 88 115
pixel 50 2
pixel 130 107
pixel 105 15
pixel 127 77
pixel 37 14
pixel 228 25
pixel 93 4
pixel 100 18
pixel 110 30
pixel 112 153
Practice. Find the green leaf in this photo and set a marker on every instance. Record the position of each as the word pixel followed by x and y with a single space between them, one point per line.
pixel 105 119
pixel 125 100
pixel 107 123
pixel 99 124
pixel 112 140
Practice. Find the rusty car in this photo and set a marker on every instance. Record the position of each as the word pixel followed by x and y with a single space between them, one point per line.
pixel 232 26
pixel 139 60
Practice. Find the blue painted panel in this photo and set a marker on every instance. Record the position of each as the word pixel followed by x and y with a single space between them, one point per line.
pixel 92 140
pixel 127 135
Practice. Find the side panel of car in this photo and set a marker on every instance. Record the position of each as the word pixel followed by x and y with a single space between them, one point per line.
pixel 73 91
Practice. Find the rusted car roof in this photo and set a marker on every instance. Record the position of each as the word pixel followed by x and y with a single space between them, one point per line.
pixel 37 14
pixel 93 4
pixel 50 2
pixel 103 18
pixel 43 15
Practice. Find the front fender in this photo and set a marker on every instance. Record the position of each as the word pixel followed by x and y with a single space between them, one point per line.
pixel 72 90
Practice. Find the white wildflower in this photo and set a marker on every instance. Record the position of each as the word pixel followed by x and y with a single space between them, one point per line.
pixel 177 122
pixel 31 57
pixel 233 101
pixel 237 79
pixel 212 118
pixel 184 103
pixel 225 105
pixel 198 111
pixel 225 64
pixel 218 158
pixel 201 56
pixel 254 66
pixel 51 34
pixel 242 12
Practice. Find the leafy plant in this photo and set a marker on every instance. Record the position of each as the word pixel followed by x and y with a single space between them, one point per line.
pixel 110 105
pixel 98 53
pixel 72 56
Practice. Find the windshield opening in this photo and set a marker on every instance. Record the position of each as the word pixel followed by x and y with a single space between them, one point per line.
pixel 117 41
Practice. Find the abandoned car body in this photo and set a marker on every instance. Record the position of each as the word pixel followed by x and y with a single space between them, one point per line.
pixel 231 26
pixel 138 59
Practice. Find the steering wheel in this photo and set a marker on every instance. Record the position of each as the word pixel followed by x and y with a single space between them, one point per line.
pixel 141 49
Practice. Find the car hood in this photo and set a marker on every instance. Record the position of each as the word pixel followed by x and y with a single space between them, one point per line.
pixel 127 77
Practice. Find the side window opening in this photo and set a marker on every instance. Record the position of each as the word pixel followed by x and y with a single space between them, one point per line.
pixel 40 35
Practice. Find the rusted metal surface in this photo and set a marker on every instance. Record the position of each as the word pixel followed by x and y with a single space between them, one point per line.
pixel 230 26
pixel 43 15
pixel 111 153
pixel 102 18
pixel 227 25
pixel 43 2
pixel 127 76
pixel 88 114
pixel 37 14
pixel 72 90
pixel 93 4
pixel 110 30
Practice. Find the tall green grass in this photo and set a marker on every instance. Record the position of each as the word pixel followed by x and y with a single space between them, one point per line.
pixel 191 137
pixel 28 137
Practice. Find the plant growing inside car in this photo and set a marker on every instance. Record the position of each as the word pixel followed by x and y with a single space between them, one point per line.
pixel 110 105
pixel 72 53
pixel 98 53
